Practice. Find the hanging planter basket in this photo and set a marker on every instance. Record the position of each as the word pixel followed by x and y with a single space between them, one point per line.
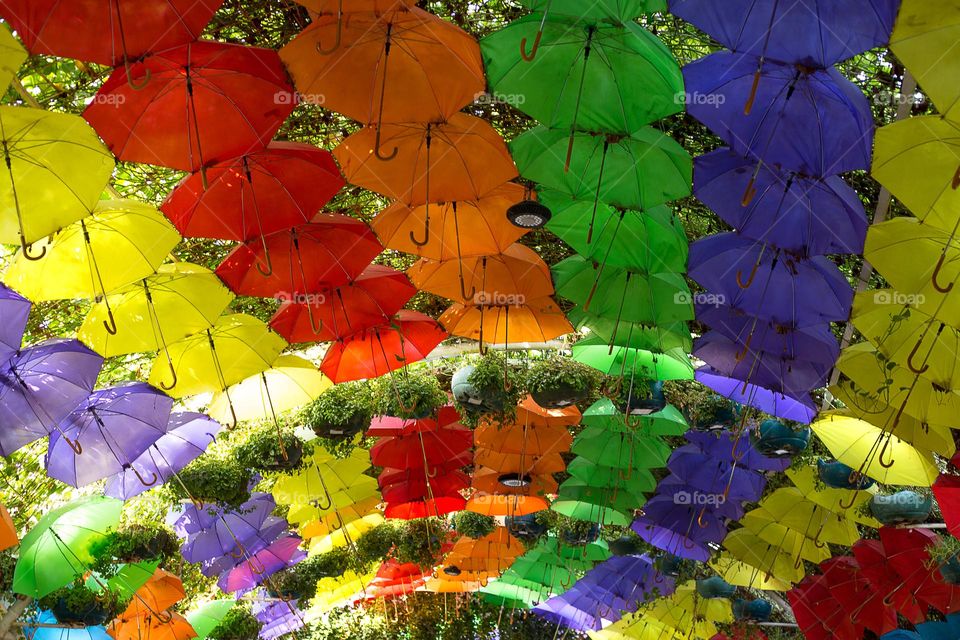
pixel 775 439
pixel 903 507
pixel 837 475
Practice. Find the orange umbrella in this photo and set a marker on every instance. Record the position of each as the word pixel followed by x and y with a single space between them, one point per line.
pixel 520 438
pixel 539 320
pixel 337 7
pixel 152 628
pixel 160 592
pixel 8 532
pixel 462 158
pixel 519 463
pixel 497 505
pixel 531 414
pixel 492 553
pixel 509 278
pixel 398 65
pixel 486 480
pixel 459 228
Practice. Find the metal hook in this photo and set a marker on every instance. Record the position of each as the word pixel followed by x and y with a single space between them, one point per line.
pixel 748 107
pixel 463 290
pixel 152 482
pixel 336 44
pixel 74 444
pixel 25 250
pixel 853 501
pixel 316 328
pixel 377 152
pixel 910 365
pixel 163 616
pixel 688 546
pixel 936 274
pixel 329 501
pixel 268 271
pixel 740 355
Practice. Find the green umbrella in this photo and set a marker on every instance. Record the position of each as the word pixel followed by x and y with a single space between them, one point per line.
pixel 128 579
pixel 620 10
pixel 604 505
pixel 208 616
pixel 630 296
pixel 586 76
pixel 651 241
pixel 666 422
pixel 57 549
pixel 623 450
pixel 636 480
pixel 669 365
pixel 635 335
pixel 638 171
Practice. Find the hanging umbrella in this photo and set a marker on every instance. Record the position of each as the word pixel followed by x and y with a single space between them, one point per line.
pixel 57 549
pixel 294 263
pixel 587 76
pixel 851 588
pixel 52 632
pixel 41 385
pixel 237 347
pixel 206 617
pixel 875 453
pixel 8 531
pixel 790 211
pixel 741 574
pixel 410 336
pixel 422 450
pixel 807 480
pixel 446 416
pixel 634 335
pixel 789 507
pixel 370 299
pixel 189 518
pixel 520 464
pixel 620 449
pixel 460 158
pixel 12 55
pixel 637 478
pixel 813 121
pixel 180 299
pixel 638 171
pixel 814 34
pixel 289 384
pixel 801 409
pixel 56 170
pixel 499 505
pixel 461 228
pixel 772 560
pixel 766 282
pixel 335 521
pixel 205 102
pixel 620 10
pixel 637 364
pixel 172 626
pixel 186 437
pixel 513 276
pixel 521 438
pixel 404 65
pixel 922 33
pixel 322 475
pixel 263 192
pixel 111 428
pixel 160 592
pixel 810 342
pixel 666 422
pixel 260 566
pixel 346 534
pixel 539 320
pixel 495 481
pixel 14 313
pixel 230 532
pixel 121 242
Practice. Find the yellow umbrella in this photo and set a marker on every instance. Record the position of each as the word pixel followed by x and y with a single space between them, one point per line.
pixel 688 612
pixel 806 479
pixel 12 55
pixel 767 528
pixel 927 40
pixel 875 453
pixel 332 521
pixel 236 347
pixel 290 383
pixel 333 591
pixel 741 574
pixel 56 170
pixel 772 560
pixel 364 488
pixel 121 242
pixel 179 300
pixel 322 475
pixel 789 507
pixel 635 626
pixel 346 535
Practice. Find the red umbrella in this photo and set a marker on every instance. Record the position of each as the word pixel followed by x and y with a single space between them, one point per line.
pixel 421 450
pixel 280 187
pixel 392 426
pixel 947 492
pixel 108 32
pixel 391 477
pixel 206 102
pixel 907 555
pixel 373 352
pixel 410 485
pixel 872 559
pixel 371 299
pixel 394 578
pixel 819 616
pixel 435 507
pixel 304 260
pixel 857 595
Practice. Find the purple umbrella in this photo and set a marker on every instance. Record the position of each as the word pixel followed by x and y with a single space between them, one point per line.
pixel 112 427
pixel 187 436
pixel 801 215
pixel 41 385
pixel 815 33
pixel 710 474
pixel 767 283
pixel 777 371
pixel 281 554
pixel 815 122
pixel 723 443
pixel 675 529
pixel 188 519
pixel 14 311
pixel 228 533
pixel 797 409
pixel 278 618
pixel 271 529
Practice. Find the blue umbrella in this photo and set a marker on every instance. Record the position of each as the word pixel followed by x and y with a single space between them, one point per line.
pixel 14 312
pixel 49 633
pixel 801 409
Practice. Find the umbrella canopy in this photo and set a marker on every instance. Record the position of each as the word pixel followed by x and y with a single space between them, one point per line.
pixel 12 55
pixel 160 592
pixel 619 10
pixel 152 627
pixel 398 64
pixel 637 364
pixel 410 336
pixel 263 192
pixel 586 75
pixel 815 34
pixel 121 242
pixel 180 299
pixel 107 432
pixel 237 347
pixel 460 158
pixel 521 438
pixel 920 33
pixel 539 320
pixel 40 386
pixel 307 259
pixel 460 228
pixel 186 437
pixel 801 409
pixel 666 422
pixel 57 549
pixel 57 168
pixel 368 300
pixel 14 313
pixel 206 617
pixel 8 531
pixel 813 121
pixel 421 450
pixel 205 102
pixel 260 566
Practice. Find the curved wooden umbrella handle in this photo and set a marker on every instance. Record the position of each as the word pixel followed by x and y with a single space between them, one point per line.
pixel 913 353
pixel 529 57
pixel 339 37
pixel 25 250
pixel 936 274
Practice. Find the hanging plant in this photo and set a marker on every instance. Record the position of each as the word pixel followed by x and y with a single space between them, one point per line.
pixel 134 543
pixel 558 382
pixel 375 545
pixel 491 385
pixel 213 480
pixel 639 397
pixel 342 411
pixel 572 531
pixel 238 624
pixel 945 555
pixel 267 450
pixel 7 566
pixel 409 395
pixel 473 525
pixel 300 580
pixel 715 412
pixel 80 604
pixel 421 542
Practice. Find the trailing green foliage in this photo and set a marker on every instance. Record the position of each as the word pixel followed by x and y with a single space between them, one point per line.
pixel 375 545
pixel 345 406
pixel 80 603
pixel 238 624
pixel 213 480
pixel 266 450
pixel 135 543
pixel 408 395
pixel 560 371
pixel 473 525
pixel 300 580
pixel 421 542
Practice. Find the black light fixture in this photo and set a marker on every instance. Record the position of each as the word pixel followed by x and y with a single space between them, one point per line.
pixel 452 570
pixel 514 480
pixel 529 214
